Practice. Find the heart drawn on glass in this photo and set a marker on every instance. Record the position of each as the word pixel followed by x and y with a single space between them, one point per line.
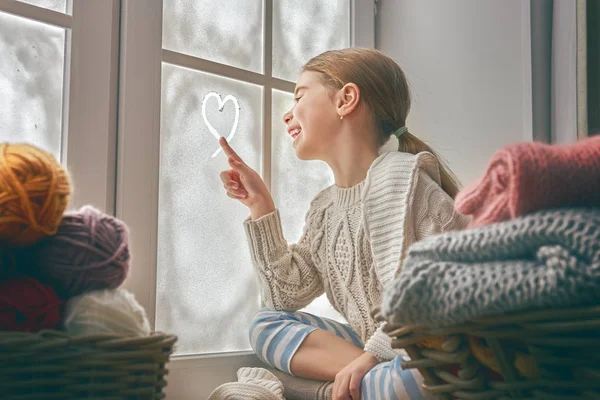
pixel 222 102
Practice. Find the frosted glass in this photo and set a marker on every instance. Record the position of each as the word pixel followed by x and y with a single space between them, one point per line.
pixel 316 26
pixel 227 31
pixel 207 290
pixel 294 184
pixel 31 82
pixel 55 5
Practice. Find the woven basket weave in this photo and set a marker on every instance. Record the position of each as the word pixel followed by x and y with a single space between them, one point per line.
pixel 53 365
pixel 550 354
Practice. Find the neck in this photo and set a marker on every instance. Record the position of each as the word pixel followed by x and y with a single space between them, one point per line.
pixel 354 155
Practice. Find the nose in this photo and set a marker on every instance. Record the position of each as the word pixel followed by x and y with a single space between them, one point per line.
pixel 288 116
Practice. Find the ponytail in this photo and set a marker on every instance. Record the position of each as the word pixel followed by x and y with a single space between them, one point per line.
pixel 384 90
pixel 409 143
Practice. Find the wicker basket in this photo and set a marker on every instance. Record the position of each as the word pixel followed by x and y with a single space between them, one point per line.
pixel 53 365
pixel 551 354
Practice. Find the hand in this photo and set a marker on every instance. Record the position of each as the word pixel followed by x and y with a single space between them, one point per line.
pixel 348 380
pixel 244 184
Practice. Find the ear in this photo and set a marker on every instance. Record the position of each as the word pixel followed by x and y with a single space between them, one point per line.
pixel 347 99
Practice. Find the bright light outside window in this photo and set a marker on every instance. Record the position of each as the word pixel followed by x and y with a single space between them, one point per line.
pixel 32 82
pixel 54 5
pixel 207 290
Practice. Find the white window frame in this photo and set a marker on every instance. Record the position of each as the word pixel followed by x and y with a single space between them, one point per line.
pixel 89 128
pixel 138 160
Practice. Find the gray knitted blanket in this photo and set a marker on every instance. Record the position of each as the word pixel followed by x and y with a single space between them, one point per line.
pixel 546 259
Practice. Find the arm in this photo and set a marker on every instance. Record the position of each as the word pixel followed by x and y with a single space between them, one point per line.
pixel 434 210
pixel 288 276
pixel 380 346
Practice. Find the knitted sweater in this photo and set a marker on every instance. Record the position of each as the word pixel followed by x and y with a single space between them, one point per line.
pixel 354 241
pixel 524 177
pixel 546 259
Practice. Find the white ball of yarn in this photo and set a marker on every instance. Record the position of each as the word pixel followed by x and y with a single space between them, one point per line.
pixel 106 311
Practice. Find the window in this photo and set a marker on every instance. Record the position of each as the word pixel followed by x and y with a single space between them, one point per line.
pixel 57 79
pixel 190 71
pixel 32 73
pixel 71 66
pixel 204 272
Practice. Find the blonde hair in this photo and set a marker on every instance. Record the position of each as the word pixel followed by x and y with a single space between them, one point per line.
pixel 384 90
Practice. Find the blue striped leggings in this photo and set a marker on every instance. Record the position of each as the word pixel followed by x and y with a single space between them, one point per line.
pixel 276 336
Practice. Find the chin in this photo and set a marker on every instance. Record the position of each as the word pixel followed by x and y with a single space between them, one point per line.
pixel 305 154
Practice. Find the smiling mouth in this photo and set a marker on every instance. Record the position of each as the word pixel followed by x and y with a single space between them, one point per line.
pixel 294 133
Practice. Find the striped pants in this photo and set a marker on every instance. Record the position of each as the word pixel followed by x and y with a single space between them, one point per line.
pixel 275 337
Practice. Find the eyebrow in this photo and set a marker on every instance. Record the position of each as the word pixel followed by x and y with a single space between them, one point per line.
pixel 299 88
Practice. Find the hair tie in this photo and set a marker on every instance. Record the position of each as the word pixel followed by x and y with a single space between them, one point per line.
pixel 400 131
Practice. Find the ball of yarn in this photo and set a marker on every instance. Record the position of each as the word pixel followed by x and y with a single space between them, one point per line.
pixel 106 311
pixel 89 252
pixel 34 193
pixel 27 305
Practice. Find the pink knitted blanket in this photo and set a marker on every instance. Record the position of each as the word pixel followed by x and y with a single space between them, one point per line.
pixel 528 177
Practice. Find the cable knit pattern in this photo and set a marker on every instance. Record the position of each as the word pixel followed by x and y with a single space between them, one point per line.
pixel 353 242
pixel 289 278
pixel 546 259
pixel 523 177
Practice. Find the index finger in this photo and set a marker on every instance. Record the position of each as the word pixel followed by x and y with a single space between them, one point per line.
pixel 228 150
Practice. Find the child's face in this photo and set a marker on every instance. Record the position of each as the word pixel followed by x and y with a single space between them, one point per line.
pixel 313 121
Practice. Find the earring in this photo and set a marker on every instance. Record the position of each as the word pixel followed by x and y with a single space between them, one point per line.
pixel 341 117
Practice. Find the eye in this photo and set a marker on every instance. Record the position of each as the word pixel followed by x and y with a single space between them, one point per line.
pixel 297 99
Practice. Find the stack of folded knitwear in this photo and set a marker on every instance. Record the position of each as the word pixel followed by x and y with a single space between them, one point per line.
pixel 533 243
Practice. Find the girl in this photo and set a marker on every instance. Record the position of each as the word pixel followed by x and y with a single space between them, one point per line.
pixel 348 103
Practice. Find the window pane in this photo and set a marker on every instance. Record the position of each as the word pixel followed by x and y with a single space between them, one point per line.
pixel 294 184
pixel 227 31
pixel 31 82
pixel 55 5
pixel 207 290
pixel 316 26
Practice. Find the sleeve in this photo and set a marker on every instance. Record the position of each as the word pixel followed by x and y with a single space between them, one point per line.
pixel 434 210
pixel 380 345
pixel 288 276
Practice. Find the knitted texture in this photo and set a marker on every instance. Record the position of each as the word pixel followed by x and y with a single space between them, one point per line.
pixel 106 311
pixel 28 305
pixel 295 388
pixel 387 201
pixel 546 259
pixel 353 242
pixel 252 384
pixel 380 344
pixel 35 191
pixel 524 178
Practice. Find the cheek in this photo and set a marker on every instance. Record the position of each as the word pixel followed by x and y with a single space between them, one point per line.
pixel 314 116
pixel 303 114
pixel 298 113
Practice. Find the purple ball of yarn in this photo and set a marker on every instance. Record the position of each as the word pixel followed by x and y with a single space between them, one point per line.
pixel 89 252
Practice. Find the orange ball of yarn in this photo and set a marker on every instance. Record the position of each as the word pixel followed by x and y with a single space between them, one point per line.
pixel 34 193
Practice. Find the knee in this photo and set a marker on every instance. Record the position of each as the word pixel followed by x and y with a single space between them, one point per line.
pixel 267 320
